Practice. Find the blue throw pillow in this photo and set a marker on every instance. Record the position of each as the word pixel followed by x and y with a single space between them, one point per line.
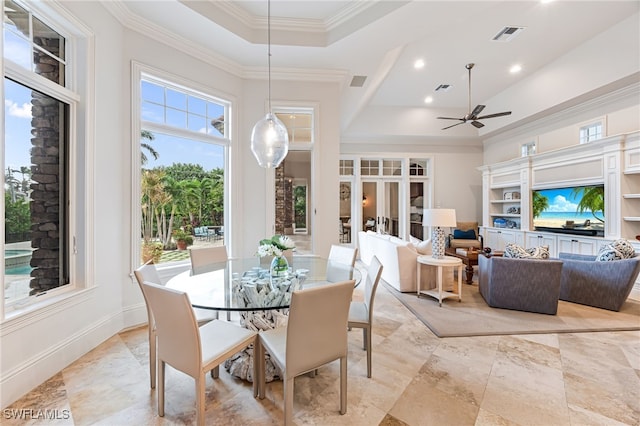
pixel 464 235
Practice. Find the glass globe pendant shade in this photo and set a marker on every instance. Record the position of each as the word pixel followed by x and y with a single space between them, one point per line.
pixel 269 141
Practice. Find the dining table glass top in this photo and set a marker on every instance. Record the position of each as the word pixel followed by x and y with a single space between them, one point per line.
pixel 245 285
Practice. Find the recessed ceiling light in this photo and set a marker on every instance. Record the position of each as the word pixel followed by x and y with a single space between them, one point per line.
pixel 419 64
pixel 428 100
pixel 515 69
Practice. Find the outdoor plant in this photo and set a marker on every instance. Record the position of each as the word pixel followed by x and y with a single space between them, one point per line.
pixel 182 236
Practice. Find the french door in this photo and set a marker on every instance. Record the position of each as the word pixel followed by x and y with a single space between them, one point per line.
pixel 381 206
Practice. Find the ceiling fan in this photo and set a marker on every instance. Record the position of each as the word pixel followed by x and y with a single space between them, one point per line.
pixel 472 116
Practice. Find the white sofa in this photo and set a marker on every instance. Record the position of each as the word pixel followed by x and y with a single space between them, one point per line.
pixel 398 258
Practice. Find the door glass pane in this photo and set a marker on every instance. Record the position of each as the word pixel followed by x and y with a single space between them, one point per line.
pixel 416 206
pixel 369 206
pixel 390 222
pixel 293 188
pixel 344 228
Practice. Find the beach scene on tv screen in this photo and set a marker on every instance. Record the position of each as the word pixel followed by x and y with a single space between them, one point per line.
pixel 569 208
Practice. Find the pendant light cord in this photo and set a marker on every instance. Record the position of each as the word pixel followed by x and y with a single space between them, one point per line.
pixel 269 47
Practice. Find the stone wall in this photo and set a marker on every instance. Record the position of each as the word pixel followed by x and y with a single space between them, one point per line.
pixel 284 201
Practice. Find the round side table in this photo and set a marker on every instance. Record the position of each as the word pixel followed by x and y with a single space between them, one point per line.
pixel 437 292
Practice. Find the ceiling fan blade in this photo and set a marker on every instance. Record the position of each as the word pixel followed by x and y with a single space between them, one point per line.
pixel 450 118
pixel 499 114
pixel 453 125
pixel 477 124
pixel 477 110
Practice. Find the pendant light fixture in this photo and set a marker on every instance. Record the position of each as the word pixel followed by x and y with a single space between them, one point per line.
pixel 269 138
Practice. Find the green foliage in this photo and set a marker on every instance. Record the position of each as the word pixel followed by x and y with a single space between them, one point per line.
pixel 540 204
pixel 592 201
pixel 17 217
pixel 182 235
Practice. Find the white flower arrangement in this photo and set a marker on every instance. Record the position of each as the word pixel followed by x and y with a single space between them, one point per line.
pixel 275 246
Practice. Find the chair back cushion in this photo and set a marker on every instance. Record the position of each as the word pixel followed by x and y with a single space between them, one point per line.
pixel 207 259
pixel 343 254
pixel 317 327
pixel 467 226
pixel 374 271
pixel 176 328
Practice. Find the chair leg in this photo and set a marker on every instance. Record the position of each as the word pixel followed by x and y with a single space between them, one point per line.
pixel 258 357
pixel 200 388
pixel 161 366
pixel 288 401
pixel 364 339
pixel 256 370
pixel 343 385
pixel 368 333
pixel 152 358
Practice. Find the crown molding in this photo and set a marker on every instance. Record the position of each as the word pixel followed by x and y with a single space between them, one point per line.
pixel 144 27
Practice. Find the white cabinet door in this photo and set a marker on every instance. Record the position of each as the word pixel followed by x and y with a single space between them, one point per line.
pixel 535 239
pixel 575 245
pixel 497 239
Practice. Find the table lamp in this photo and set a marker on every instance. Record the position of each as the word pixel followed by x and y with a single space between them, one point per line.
pixel 437 219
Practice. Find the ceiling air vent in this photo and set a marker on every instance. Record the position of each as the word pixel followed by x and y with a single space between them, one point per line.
pixel 443 88
pixel 507 33
pixel 358 80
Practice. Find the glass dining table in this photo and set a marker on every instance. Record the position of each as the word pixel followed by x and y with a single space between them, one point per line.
pixel 262 300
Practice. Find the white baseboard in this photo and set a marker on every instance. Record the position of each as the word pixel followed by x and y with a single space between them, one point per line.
pixel 34 371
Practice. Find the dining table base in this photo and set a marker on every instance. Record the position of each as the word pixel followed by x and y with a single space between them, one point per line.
pixel 240 365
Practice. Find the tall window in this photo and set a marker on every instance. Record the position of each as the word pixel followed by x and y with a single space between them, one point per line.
pixel 183 152
pixel 36 155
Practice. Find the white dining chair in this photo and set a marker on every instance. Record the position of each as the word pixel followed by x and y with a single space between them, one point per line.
pixel 311 339
pixel 207 259
pixel 361 312
pixel 149 273
pixel 341 262
pixel 188 348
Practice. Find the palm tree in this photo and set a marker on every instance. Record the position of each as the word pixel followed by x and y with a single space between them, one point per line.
pixel 146 135
pixel 592 200
pixel 540 203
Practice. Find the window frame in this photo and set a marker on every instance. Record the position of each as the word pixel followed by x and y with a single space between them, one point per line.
pixel 139 72
pixel 75 93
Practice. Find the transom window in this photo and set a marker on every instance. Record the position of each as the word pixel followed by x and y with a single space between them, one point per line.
pixel 299 123
pixel 591 132
pixel 346 168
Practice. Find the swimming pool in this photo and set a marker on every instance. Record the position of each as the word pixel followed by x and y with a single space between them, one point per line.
pixel 17 259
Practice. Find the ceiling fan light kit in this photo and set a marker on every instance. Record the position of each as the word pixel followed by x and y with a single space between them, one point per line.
pixel 472 116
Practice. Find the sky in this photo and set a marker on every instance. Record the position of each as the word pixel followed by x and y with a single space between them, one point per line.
pixel 171 149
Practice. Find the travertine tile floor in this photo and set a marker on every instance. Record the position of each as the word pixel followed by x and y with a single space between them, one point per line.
pixel 418 379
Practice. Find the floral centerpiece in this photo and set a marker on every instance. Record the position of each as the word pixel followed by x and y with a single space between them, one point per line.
pixel 276 246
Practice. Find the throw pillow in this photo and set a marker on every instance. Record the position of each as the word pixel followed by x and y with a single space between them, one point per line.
pixel 413 240
pixel 464 235
pixel 608 253
pixel 624 247
pixel 424 247
pixel 519 252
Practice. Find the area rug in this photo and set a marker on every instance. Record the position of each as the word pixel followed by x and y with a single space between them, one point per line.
pixel 473 317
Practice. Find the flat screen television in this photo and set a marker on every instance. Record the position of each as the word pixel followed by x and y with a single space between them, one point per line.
pixel 577 210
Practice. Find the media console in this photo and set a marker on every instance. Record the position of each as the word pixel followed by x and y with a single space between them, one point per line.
pixel 572 231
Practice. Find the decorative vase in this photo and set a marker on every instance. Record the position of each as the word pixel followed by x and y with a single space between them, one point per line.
pixel 279 266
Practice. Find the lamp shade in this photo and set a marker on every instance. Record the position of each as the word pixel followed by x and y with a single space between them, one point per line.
pixel 269 141
pixel 439 217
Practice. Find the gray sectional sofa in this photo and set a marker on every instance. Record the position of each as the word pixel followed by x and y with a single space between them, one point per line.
pixel 531 285
pixel 601 284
